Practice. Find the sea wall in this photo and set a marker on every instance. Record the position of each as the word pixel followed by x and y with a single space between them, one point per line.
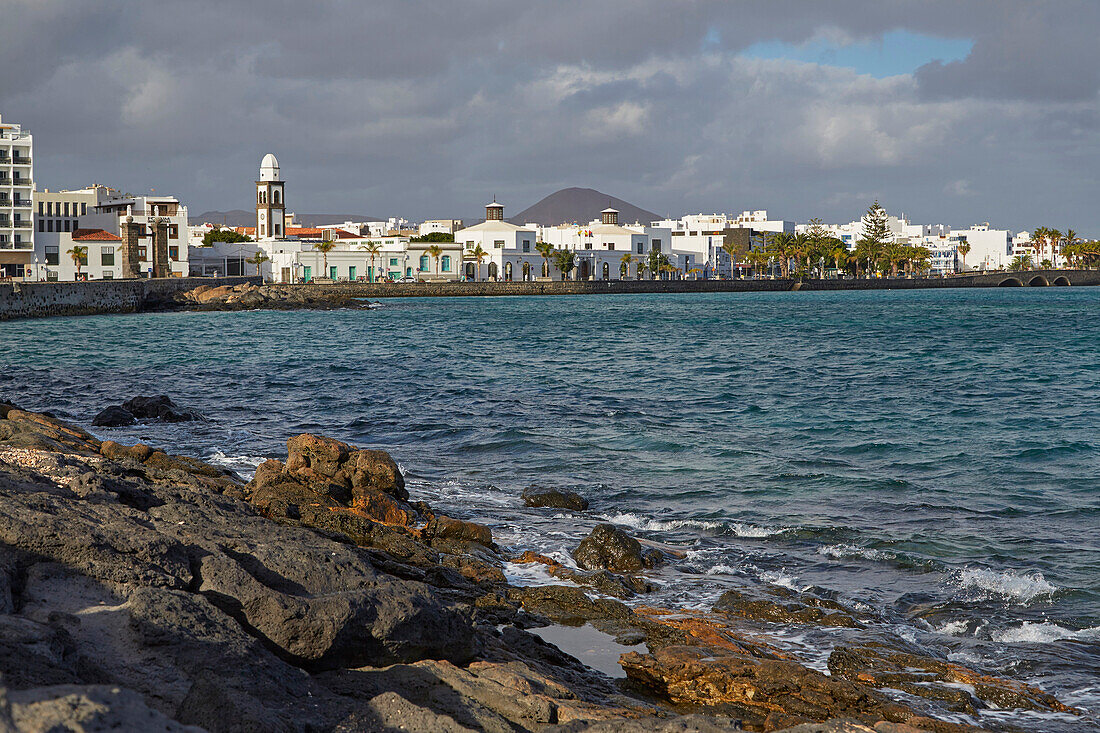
pixel 37 300
pixel 596 287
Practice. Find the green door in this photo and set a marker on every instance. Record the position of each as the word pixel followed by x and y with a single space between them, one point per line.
pixel 332 273
pixel 351 273
pixel 307 273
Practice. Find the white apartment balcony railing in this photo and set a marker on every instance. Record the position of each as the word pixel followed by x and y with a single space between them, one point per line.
pixel 17 245
pixel 21 203
pixel 21 225
pixel 20 160
pixel 22 182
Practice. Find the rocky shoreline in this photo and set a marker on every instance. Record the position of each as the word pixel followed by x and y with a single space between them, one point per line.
pixel 141 590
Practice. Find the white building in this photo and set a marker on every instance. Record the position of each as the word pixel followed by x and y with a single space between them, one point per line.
pixel 270 201
pixel 510 251
pixel 16 187
pixel 990 249
pixel 440 226
pixel 600 246
pixel 92 218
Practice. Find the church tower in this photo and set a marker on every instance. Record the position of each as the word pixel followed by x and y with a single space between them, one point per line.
pixel 270 202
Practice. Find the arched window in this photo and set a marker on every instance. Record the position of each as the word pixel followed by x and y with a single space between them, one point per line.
pixel 545 269
pixel 508 271
pixel 446 259
pixel 275 196
pixel 526 271
pixel 424 262
pixel 606 271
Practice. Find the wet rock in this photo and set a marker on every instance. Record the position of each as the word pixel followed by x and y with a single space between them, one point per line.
pixel 766 693
pixel 607 583
pixel 445 528
pixel 785 606
pixel 113 417
pixel 553 498
pixel 938 679
pixel 39 431
pixel 609 548
pixel 568 605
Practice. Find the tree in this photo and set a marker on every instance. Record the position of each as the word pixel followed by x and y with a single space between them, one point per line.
pixel 478 254
pixel 547 251
pixel 963 250
pixel 564 260
pixel 1070 239
pixel 258 260
pixel 435 251
pixel 837 252
pixel 433 237
pixel 781 246
pixel 1020 262
pixel 1038 240
pixel 730 248
pixel 324 248
pixel 373 249
pixel 624 266
pixel 79 253
pixel 876 233
pixel 223 235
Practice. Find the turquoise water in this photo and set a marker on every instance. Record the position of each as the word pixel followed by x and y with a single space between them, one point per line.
pixel 933 455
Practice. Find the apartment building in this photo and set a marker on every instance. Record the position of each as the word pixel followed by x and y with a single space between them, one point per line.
pixel 16 188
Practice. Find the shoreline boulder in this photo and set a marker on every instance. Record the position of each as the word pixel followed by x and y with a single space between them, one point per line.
pixel 609 548
pixel 534 496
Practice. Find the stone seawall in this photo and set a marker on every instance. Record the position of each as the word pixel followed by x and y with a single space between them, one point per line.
pixel 38 300
pixel 598 287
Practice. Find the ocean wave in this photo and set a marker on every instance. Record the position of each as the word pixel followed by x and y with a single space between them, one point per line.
pixel 843 550
pixel 1022 587
pixel 1043 633
pixel 953 628
pixel 782 579
pixel 722 569
pixel 638 521
pixel 244 465
pixel 740 529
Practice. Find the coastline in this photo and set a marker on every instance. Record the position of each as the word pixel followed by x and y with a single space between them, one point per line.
pixel 37 300
pixel 74 499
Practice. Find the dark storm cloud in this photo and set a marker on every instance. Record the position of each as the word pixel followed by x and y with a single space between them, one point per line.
pixel 425 108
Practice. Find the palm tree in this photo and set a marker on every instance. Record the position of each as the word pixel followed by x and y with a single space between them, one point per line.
pixel 838 251
pixel 1038 240
pixel 1020 262
pixel 434 252
pixel 624 267
pixel 258 260
pixel 1070 240
pixel 564 260
pixel 372 248
pixel 782 246
pixel 731 249
pixel 324 248
pixel 547 251
pixel 478 254
pixel 963 250
pixel 79 253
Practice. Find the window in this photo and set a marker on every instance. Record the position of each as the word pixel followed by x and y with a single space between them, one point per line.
pixel 84 259
pixel 41 207
pixel 49 225
pixel 393 262
pixel 67 222
pixel 276 198
pixel 527 245
pixel 262 230
pixel 143 254
pixel 640 247
pixel 41 223
pixel 332 272
pixel 657 245
pixel 610 245
pixel 49 208
pixel 173 231
pixel 446 259
pixel 51 254
pixel 84 209
pixel 424 262
pixel 276 228
pixel 107 256
pixel 174 254
pixel 51 275
pixel 498 243
pixel 66 210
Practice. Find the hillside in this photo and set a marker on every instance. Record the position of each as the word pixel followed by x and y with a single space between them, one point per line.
pixel 580 205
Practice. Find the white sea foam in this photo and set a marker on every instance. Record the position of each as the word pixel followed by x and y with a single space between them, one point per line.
pixel 638 521
pixel 780 578
pixel 740 529
pixel 244 465
pixel 528 574
pixel 1016 586
pixel 721 569
pixel 843 550
pixel 1043 633
pixel 953 628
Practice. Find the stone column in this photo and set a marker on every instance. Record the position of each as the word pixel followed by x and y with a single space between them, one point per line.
pixel 131 235
pixel 162 267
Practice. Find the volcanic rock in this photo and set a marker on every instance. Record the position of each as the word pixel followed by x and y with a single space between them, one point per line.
pixel 113 417
pixel 785 606
pixel 609 548
pixel 554 499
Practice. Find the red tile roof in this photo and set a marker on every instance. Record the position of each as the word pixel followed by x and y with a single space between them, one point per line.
pixel 310 232
pixel 94 235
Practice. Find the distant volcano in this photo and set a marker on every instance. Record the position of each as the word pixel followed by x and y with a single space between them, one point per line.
pixel 580 205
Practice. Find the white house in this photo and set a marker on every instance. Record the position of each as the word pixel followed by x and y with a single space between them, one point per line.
pixel 16 186
pixel 510 249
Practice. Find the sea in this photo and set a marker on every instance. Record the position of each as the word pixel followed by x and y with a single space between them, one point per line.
pixel 931 457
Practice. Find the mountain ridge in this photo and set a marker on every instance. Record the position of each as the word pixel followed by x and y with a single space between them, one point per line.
pixel 580 205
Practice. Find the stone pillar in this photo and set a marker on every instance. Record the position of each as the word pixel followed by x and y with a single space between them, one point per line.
pixel 131 235
pixel 162 267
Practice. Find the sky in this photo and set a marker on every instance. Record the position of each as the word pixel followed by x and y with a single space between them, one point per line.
pixel 949 111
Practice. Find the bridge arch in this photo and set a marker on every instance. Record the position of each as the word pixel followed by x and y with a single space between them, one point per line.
pixel 1062 281
pixel 1038 282
pixel 1011 282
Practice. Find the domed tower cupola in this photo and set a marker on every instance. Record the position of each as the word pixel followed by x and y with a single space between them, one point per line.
pixel 270 201
pixel 610 216
pixel 494 211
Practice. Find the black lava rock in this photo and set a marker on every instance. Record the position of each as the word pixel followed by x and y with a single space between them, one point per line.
pixel 610 548
pixel 113 417
pixel 554 499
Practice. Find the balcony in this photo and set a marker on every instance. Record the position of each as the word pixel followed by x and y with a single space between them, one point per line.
pixel 22 182
pixel 20 160
pixel 21 225
pixel 17 245
pixel 21 203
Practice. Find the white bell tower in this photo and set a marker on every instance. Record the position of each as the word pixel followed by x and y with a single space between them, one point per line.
pixel 270 202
